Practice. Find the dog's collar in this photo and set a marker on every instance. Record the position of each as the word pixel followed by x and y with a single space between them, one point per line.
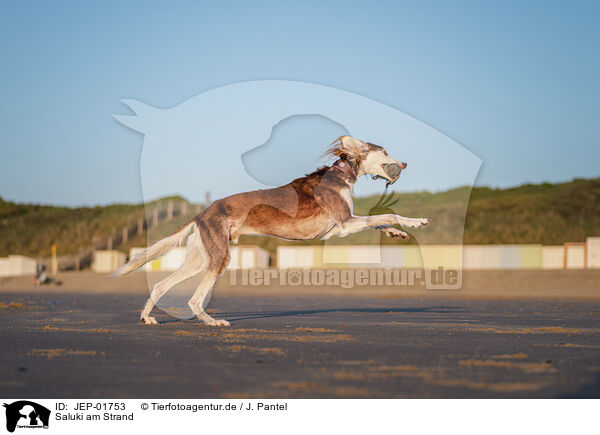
pixel 345 166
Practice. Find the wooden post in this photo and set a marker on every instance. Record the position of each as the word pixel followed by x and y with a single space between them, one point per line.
pixel 170 209
pixel 207 199
pixel 109 243
pixel 140 225
pixel 125 235
pixel 183 208
pixel 54 260
pixel 155 215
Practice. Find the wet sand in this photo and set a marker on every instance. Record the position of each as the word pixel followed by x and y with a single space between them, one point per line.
pixel 510 334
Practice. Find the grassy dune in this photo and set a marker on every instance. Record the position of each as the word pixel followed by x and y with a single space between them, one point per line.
pixel 31 229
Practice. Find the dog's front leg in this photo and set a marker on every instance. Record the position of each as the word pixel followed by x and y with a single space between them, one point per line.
pixel 339 207
pixel 387 229
pixel 359 223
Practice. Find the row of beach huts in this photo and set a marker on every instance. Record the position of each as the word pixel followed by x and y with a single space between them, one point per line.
pixel 468 257
pixel 584 255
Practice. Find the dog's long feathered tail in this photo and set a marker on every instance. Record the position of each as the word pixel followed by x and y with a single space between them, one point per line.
pixel 157 250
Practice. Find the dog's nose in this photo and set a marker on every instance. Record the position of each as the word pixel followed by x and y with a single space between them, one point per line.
pixel 403 165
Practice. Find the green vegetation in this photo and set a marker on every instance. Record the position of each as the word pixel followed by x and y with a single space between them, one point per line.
pixel 543 213
pixel 30 229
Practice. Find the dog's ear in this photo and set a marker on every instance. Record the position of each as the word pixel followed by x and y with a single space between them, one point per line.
pixel 351 145
pixel 347 146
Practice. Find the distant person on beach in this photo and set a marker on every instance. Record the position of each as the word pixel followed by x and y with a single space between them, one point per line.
pixel 42 278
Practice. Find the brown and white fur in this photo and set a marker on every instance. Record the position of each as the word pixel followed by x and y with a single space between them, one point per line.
pixel 318 205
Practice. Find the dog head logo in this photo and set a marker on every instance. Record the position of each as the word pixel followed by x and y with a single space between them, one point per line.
pixel 26 414
pixel 255 135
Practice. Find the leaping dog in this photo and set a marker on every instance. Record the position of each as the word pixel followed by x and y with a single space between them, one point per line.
pixel 317 205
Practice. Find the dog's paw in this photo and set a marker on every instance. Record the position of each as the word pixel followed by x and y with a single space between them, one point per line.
pixel 416 222
pixel 149 321
pixel 218 322
pixel 393 232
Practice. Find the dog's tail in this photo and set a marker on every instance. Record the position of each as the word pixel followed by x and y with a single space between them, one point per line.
pixel 157 250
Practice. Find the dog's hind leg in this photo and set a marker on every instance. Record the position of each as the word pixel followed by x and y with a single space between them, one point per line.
pixel 215 239
pixel 193 264
pixel 200 300
pixel 201 297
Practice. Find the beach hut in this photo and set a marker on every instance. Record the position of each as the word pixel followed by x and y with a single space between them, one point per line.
pixel 17 265
pixel 575 256
pixel 248 257
pixel 593 252
pixel 553 257
pixel 297 257
pixel 107 261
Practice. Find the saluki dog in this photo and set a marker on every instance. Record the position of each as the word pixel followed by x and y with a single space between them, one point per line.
pixel 317 205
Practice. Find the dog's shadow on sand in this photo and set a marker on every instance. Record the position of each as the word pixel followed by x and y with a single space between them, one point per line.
pixel 237 316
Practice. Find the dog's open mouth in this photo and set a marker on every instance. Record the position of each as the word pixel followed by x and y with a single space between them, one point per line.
pixel 392 171
pixel 389 182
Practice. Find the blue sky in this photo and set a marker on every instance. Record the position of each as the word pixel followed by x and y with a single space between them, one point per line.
pixel 514 82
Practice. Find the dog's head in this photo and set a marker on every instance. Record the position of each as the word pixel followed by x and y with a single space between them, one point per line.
pixel 370 159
